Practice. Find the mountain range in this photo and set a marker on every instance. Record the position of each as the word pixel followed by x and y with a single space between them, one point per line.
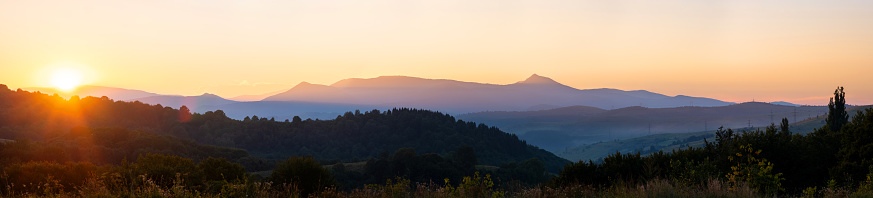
pixel 463 97
pixel 384 92
pixel 97 91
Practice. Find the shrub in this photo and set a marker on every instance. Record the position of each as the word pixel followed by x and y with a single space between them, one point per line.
pixel 163 170
pixel 758 172
pixel 305 172
pixel 47 177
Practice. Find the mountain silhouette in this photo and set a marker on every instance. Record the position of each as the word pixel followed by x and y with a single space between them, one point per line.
pixel 195 103
pixel 96 91
pixel 464 97
pixel 247 98
pixel 537 79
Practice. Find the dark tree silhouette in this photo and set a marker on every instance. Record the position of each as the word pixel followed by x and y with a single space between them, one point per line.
pixel 837 116
pixel 184 114
pixel 305 172
pixel 784 126
pixel 465 157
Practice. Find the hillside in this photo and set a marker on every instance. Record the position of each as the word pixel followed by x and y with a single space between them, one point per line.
pixel 673 141
pixel 361 135
pixel 557 129
pixel 644 145
pixel 349 137
pixel 97 130
pixel 810 124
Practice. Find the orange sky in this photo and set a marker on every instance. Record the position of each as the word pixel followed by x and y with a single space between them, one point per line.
pixel 796 51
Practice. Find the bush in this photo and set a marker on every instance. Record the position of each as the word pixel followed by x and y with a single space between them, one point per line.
pixel 305 172
pixel 163 170
pixel 47 177
pixel 758 172
pixel 219 169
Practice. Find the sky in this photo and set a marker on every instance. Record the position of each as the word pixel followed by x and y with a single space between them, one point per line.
pixel 768 50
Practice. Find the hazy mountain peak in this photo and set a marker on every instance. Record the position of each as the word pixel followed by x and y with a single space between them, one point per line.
pixel 307 85
pixel 386 82
pixel 210 95
pixel 785 103
pixel 537 79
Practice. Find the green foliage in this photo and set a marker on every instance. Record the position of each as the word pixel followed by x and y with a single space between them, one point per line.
pixel 758 172
pixel 46 177
pixel 304 172
pixel 579 173
pixel 219 169
pixel 810 192
pixel 692 172
pixel 867 185
pixel 398 187
pixel 407 164
pixel 475 186
pixel 856 153
pixel 465 157
pixel 529 172
pixel 165 170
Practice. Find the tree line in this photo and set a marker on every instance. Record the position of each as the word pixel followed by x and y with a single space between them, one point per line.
pixel 774 161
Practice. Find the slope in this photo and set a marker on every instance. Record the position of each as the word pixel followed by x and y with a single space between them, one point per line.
pixel 557 129
pixel 672 141
pixel 349 137
pixel 355 136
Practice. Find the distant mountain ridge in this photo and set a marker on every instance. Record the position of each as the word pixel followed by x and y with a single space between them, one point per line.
pixel 450 96
pixel 195 103
pixel 464 97
pixel 97 91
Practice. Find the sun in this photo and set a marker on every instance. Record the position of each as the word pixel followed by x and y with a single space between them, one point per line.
pixel 66 79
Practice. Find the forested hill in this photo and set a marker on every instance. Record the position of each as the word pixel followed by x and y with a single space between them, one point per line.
pixel 349 137
pixel 362 135
pixel 97 130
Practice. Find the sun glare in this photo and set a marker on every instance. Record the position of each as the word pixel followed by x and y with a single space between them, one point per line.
pixel 66 79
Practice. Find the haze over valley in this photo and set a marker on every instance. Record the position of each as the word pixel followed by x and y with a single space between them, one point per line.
pixel 538 109
pixel 436 99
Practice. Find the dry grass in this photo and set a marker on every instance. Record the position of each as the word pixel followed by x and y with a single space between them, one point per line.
pixel 475 186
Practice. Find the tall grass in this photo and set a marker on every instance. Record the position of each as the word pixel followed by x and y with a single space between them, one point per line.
pixel 112 185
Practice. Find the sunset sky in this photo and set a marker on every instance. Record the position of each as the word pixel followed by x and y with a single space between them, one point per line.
pixel 796 51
